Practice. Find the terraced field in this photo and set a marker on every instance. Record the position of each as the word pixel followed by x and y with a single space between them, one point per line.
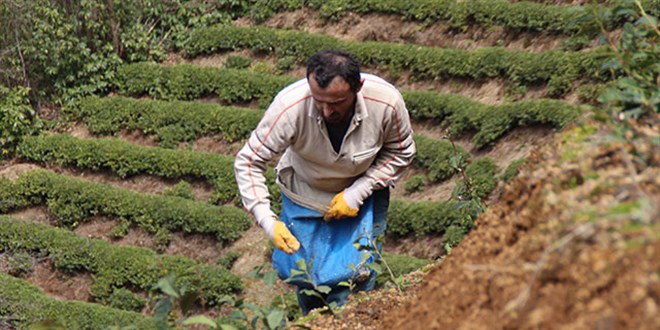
pixel 127 185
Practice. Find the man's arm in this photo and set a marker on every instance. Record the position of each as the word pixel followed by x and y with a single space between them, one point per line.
pixel 396 154
pixel 272 135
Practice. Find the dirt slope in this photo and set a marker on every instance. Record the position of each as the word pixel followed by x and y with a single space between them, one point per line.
pixel 573 243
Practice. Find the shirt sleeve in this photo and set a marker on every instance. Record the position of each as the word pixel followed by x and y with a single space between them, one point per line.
pixel 397 152
pixel 273 134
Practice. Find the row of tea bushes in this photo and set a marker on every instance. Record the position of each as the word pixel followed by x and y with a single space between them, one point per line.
pixel 126 159
pixel 113 266
pixel 73 201
pixel 460 113
pixel 558 69
pixel 171 122
pixel 519 15
pixel 190 82
pixel 25 305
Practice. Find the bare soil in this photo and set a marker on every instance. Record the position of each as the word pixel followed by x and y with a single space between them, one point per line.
pixel 560 249
pixel 392 28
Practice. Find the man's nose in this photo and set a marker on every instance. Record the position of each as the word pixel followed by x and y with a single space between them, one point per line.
pixel 327 109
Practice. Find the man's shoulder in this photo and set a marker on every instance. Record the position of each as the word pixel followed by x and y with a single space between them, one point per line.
pixel 293 93
pixel 377 88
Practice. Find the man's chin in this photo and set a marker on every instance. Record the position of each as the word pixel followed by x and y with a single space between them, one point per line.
pixel 332 120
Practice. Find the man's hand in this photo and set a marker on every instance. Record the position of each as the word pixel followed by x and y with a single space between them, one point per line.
pixel 283 239
pixel 340 208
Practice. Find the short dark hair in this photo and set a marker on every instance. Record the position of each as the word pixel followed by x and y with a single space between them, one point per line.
pixel 330 63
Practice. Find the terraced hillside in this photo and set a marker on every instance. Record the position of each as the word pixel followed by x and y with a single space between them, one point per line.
pixel 118 198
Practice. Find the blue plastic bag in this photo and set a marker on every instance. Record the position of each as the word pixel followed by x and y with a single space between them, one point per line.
pixel 328 248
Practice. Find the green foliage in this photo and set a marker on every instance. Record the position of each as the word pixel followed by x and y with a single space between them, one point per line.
pixel 244 315
pixel 424 218
pixel 501 119
pixel 114 266
pixel 400 264
pixel 238 62
pixel 20 263
pixel 126 159
pixel 635 58
pixel 17 118
pixel 66 49
pixel 434 155
pixel 415 183
pixel 453 236
pixel 461 114
pixel 481 174
pixel 188 82
pixel 183 189
pixel 126 300
pixel 512 170
pixel 72 200
pixel 26 305
pixel 285 63
pixel 172 122
pixel 288 302
pixel 228 259
pixel 558 69
pixel 9 200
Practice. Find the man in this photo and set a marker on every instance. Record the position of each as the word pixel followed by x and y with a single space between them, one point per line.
pixel 346 137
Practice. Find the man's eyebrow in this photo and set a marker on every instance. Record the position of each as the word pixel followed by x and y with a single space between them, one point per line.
pixel 333 102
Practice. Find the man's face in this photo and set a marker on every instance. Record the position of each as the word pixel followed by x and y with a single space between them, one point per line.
pixel 336 101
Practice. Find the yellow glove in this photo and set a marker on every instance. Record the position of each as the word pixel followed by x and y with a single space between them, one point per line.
pixel 339 208
pixel 283 239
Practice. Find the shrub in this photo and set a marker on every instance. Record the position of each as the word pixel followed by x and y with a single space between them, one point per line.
pixel 20 263
pixel 17 118
pixel 182 189
pixel 422 218
pixel 400 265
pixel 237 62
pixel 27 305
pixel 415 183
pixel 481 174
pixel 126 300
pixel 634 59
pixel 72 201
pixel 434 155
pixel 114 267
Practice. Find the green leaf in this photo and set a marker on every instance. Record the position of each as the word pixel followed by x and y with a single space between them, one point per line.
pixel 649 21
pixel 166 284
pixel 255 309
pixel 324 289
pixel 200 319
pixel 376 267
pixel 227 327
pixel 275 318
pixel 238 315
pixel 613 64
pixel 301 264
pixel 311 293
pixel 271 277
pixel 295 272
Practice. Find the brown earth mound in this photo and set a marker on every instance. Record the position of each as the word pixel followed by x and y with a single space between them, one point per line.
pixel 573 243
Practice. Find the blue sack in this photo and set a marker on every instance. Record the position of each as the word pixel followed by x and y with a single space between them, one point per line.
pixel 326 247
